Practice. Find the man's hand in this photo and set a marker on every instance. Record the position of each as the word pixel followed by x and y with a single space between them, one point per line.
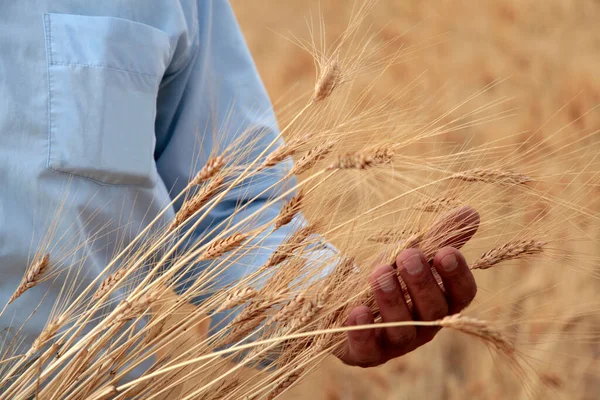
pixel 372 347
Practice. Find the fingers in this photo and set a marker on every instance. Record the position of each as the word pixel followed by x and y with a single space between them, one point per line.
pixel 458 280
pixel 363 349
pixel 392 307
pixel 429 301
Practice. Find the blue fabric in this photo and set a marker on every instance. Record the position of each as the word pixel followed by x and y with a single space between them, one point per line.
pixel 108 107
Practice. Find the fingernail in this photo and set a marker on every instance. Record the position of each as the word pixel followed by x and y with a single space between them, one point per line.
pixel 386 282
pixel 449 263
pixel 363 319
pixel 413 265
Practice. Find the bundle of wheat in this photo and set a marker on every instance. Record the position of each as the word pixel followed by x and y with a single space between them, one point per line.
pixel 290 312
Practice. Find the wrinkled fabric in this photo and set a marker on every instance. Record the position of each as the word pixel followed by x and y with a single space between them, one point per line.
pixel 106 109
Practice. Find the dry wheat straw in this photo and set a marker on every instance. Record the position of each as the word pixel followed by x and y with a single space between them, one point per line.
pixel 46 335
pixel 221 246
pixel 289 210
pixel 327 82
pixel 492 176
pixel 106 393
pixel 508 251
pixel 212 167
pixel 191 206
pixel 363 160
pixel 32 277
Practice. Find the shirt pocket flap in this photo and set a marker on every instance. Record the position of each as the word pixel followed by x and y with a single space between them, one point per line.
pixel 81 40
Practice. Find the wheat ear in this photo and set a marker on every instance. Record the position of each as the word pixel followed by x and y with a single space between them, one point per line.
pixel 108 283
pixel 221 246
pixel 492 176
pixel 31 278
pixel 508 251
pixel 363 160
pixel 327 82
pixel 314 155
pixel 436 204
pixel 211 168
pixel 191 206
pixel 289 210
pixel 480 329
pixel 285 384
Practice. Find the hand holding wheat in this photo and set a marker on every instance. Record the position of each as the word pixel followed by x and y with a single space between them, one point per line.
pixel 423 297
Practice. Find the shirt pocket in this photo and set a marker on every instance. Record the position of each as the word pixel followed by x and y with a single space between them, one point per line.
pixel 103 80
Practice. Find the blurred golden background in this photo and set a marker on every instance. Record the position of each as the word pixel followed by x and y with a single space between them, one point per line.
pixel 543 59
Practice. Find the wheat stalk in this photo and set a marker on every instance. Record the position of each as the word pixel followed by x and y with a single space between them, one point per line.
pixel 191 206
pixel 212 167
pixel 32 277
pixel 508 251
pixel 314 155
pixel 480 329
pixel 289 210
pixel 221 246
pixel 492 176
pixel 237 298
pixel 47 334
pixel 436 204
pixel 109 283
pixel 329 79
pixel 285 384
pixel 287 248
pixel 363 160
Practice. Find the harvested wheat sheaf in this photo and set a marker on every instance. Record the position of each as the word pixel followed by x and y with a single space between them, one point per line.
pixel 509 251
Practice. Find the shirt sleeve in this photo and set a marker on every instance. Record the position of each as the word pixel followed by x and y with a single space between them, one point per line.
pixel 208 101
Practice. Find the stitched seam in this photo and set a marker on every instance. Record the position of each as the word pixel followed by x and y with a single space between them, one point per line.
pixel 151 180
pixel 103 67
pixel 48 25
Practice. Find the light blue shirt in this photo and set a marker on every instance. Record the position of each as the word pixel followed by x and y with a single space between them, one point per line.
pixel 108 107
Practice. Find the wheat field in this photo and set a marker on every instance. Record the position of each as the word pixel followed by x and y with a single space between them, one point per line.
pixel 539 60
